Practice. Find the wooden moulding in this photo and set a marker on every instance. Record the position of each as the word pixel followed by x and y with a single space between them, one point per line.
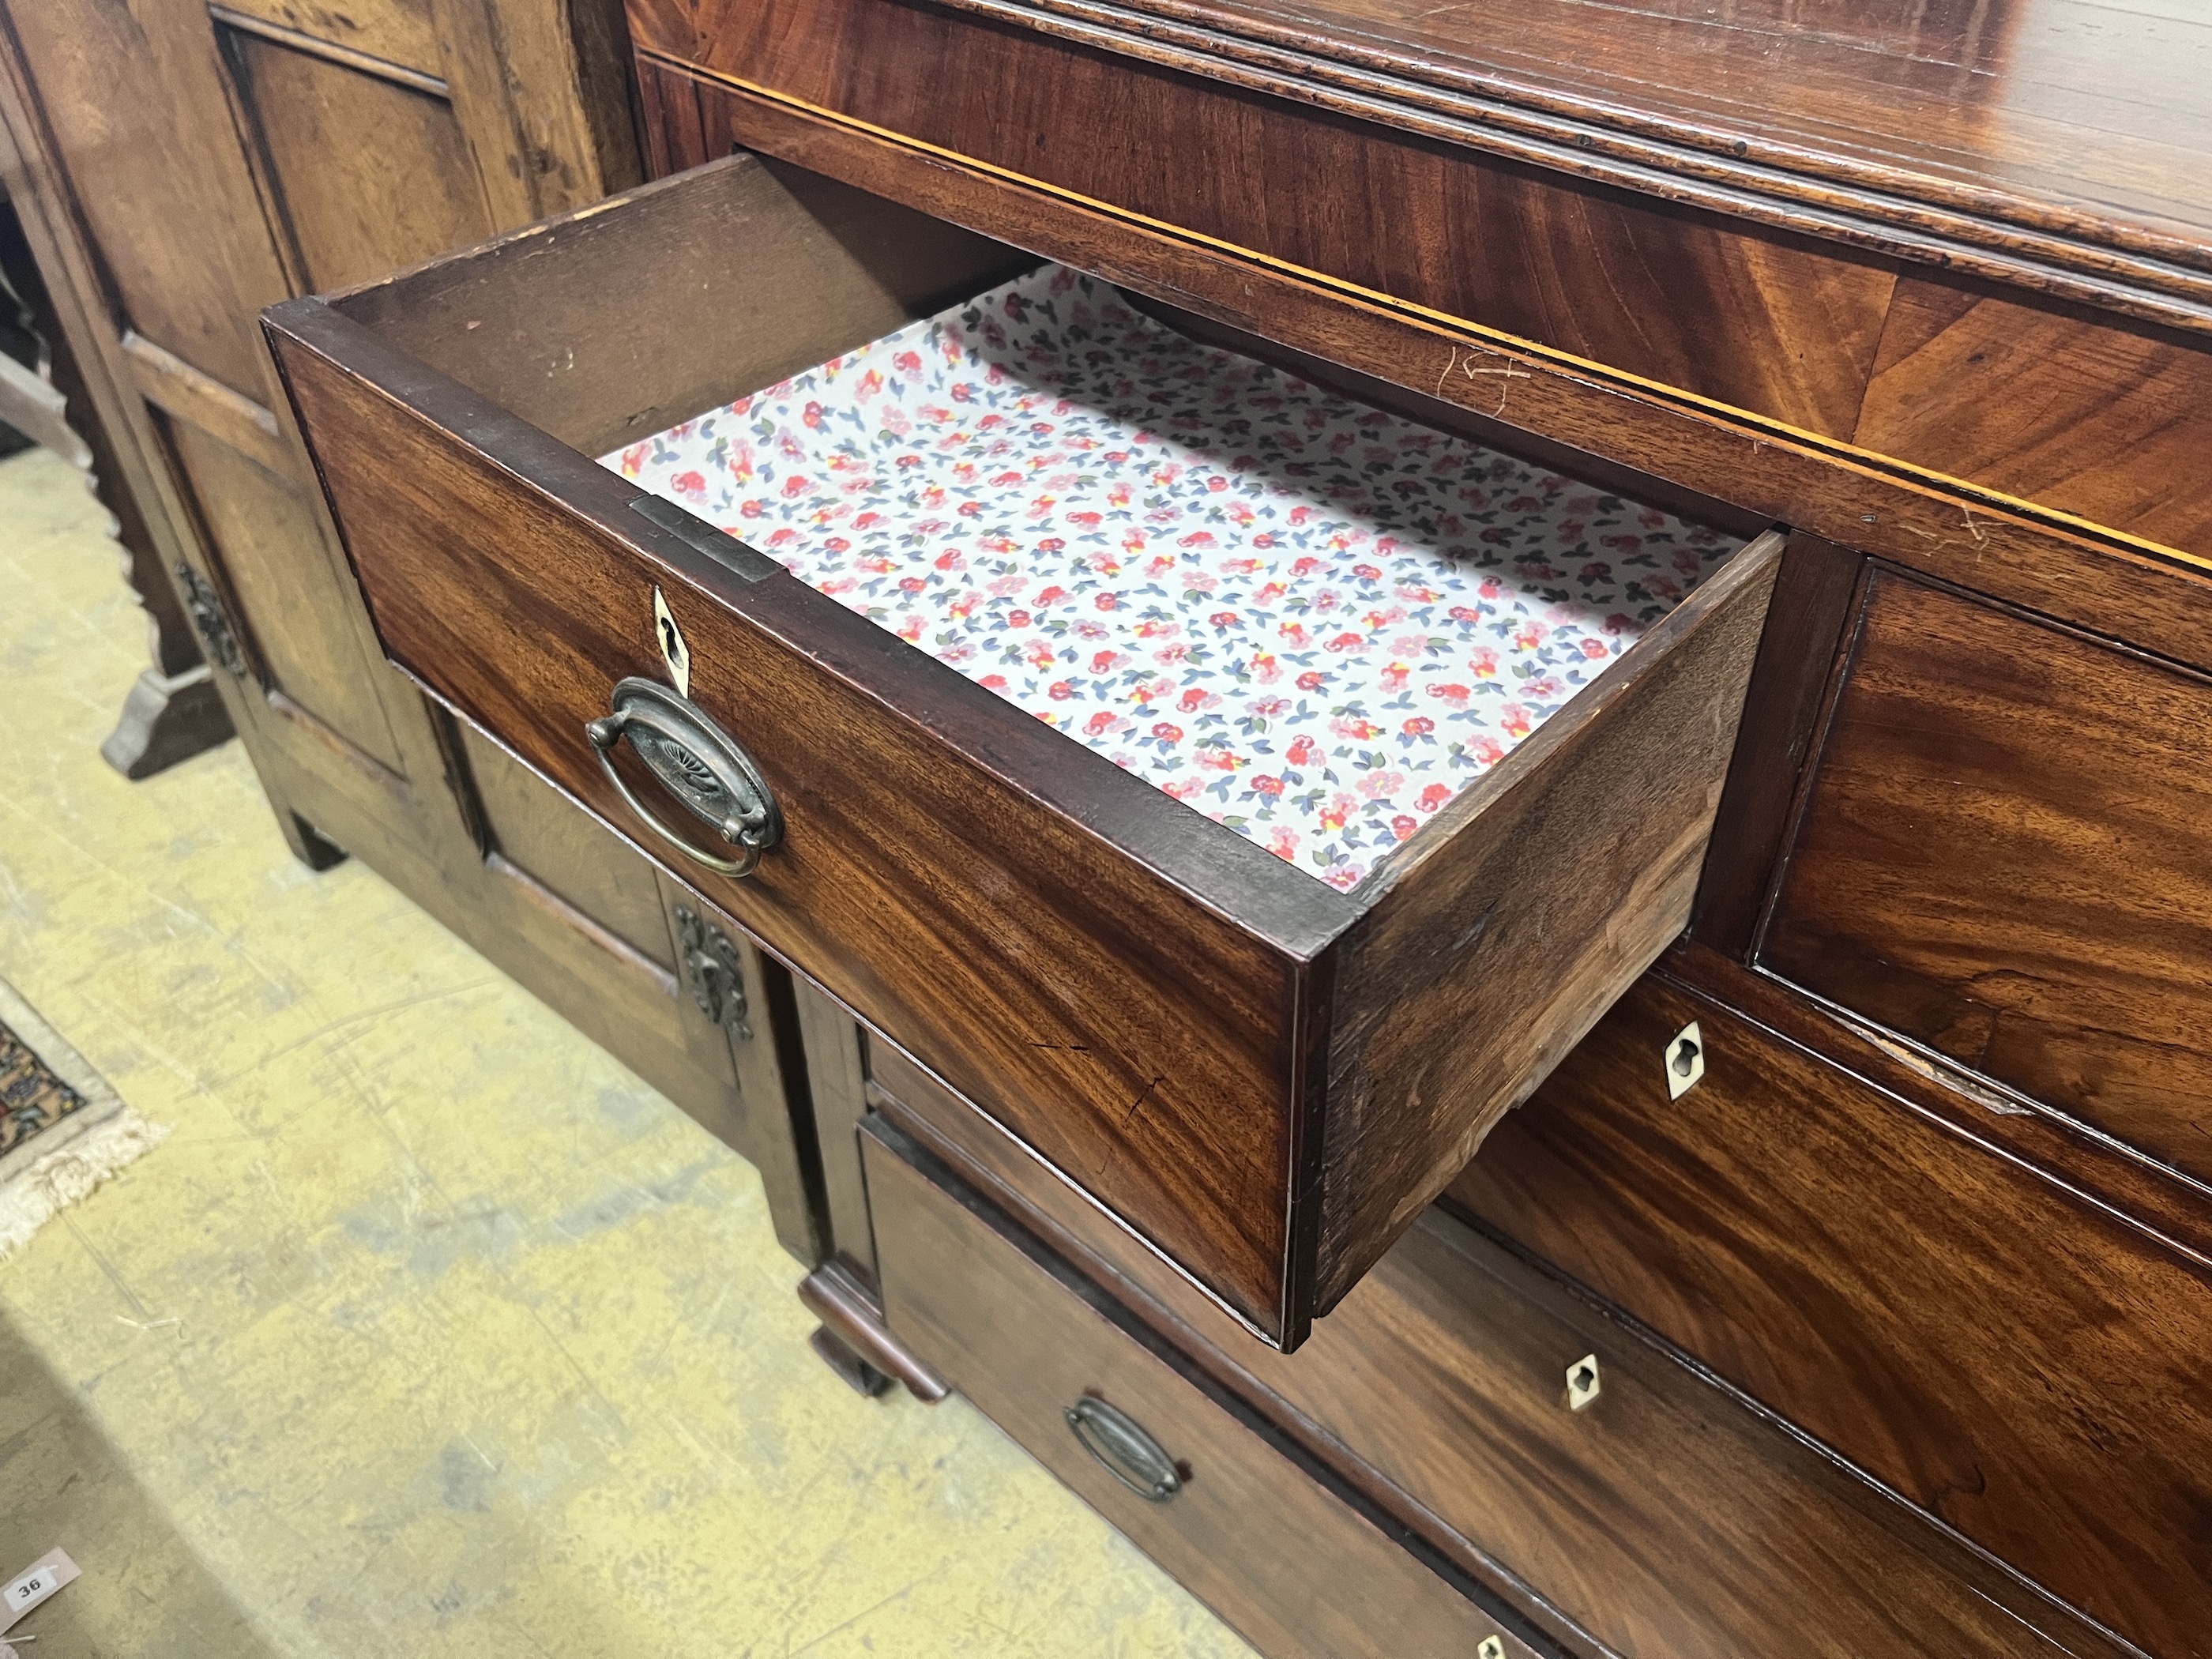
pixel 1264 1079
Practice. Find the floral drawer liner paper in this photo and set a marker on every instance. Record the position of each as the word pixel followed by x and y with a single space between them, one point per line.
pixel 1312 621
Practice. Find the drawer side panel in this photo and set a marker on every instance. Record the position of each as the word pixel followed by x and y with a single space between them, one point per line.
pixel 1579 867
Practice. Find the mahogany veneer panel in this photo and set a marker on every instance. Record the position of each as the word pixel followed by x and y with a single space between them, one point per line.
pixel 1763 321
pixel 2006 110
pixel 2015 1360
pixel 2005 855
pixel 1668 1517
pixel 2099 417
pixel 1856 500
pixel 1282 1552
pixel 1704 290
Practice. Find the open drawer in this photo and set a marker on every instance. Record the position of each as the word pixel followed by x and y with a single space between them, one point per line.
pixel 1262 1024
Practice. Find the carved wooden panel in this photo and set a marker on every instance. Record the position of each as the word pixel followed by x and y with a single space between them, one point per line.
pixel 328 136
pixel 399 32
pixel 207 160
pixel 567 851
pixel 269 544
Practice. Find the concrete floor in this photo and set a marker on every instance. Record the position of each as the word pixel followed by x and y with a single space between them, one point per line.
pixel 431 1330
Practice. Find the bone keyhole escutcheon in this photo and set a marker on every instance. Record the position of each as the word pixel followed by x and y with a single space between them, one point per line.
pixel 1582 1382
pixel 1685 1060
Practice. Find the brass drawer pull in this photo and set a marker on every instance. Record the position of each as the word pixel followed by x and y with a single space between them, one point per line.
pixel 697 762
pixel 1124 1449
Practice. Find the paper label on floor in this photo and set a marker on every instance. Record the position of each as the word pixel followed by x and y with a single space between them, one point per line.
pixel 35 1585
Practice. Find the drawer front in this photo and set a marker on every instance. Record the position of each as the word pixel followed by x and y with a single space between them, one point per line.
pixel 2006 854
pixel 2023 1364
pixel 1267 1077
pixel 1668 1516
pixel 972 893
pixel 1264 1538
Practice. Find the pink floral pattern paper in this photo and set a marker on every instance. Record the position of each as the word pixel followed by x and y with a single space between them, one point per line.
pixel 1312 621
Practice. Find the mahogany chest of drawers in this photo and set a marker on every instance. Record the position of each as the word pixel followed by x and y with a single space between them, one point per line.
pixel 1672 1125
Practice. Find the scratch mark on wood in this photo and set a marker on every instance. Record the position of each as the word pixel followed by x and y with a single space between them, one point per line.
pixel 1509 374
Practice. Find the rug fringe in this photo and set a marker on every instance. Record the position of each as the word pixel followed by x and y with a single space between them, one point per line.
pixel 70 1174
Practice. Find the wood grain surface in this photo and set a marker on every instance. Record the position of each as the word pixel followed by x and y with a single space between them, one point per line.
pixel 1881 505
pixel 1669 1517
pixel 1748 316
pixel 2106 419
pixel 1547 889
pixel 1968 137
pixel 915 882
pixel 1148 997
pixel 2016 1360
pixel 1658 272
pixel 1269 1540
pixel 2004 856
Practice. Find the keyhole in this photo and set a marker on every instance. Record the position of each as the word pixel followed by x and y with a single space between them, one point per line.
pixel 1685 1061
pixel 673 652
pixel 1582 1382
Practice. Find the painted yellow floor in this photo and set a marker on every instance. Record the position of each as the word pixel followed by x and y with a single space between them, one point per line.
pixel 431 1330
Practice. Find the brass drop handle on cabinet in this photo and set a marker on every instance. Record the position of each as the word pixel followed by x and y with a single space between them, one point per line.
pixel 697 762
pixel 1124 1449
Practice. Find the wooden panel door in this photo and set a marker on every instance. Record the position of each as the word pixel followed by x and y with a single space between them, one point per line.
pixel 188 163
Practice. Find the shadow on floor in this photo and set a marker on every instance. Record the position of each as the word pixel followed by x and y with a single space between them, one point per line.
pixel 144 1591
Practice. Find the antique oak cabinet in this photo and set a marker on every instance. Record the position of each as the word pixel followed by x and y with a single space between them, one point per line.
pixel 1676 1125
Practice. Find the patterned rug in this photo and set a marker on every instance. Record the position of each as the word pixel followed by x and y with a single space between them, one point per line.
pixel 32 1096
pixel 63 1130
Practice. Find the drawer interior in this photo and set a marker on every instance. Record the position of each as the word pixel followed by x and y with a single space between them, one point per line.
pixel 1313 620
pixel 1263 1023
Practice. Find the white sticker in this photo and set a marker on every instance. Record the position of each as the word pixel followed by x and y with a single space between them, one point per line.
pixel 41 1579
pixel 673 651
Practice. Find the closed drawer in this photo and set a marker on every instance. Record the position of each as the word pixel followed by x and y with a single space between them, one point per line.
pixel 2006 855
pixel 1266 1538
pixel 1669 1515
pixel 1974 1330
pixel 1265 1075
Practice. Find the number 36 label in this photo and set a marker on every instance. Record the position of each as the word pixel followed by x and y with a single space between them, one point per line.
pixel 45 1576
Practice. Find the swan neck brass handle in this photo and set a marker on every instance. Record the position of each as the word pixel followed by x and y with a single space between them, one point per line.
pixel 1122 1448
pixel 705 770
